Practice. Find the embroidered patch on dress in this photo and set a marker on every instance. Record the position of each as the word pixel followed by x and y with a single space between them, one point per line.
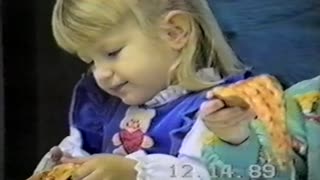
pixel 134 126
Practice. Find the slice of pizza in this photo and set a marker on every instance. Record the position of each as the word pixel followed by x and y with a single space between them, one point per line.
pixel 59 172
pixel 264 95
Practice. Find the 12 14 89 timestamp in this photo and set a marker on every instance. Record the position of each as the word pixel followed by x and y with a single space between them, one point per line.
pixel 266 171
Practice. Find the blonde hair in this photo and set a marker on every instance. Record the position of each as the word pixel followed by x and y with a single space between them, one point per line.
pixel 78 23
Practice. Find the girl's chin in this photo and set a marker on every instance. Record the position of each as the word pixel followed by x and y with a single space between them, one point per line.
pixel 133 100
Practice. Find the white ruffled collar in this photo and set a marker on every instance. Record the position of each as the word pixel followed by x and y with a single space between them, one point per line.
pixel 170 94
pixel 174 92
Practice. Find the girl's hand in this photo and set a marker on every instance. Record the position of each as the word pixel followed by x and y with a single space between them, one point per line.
pixel 230 124
pixel 57 155
pixel 103 167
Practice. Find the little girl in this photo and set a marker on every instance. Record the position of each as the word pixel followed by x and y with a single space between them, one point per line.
pixel 151 64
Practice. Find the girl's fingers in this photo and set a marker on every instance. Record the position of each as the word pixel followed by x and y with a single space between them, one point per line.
pixel 95 175
pixel 67 155
pixel 225 114
pixel 73 160
pixel 210 94
pixel 56 153
pixel 228 117
pixel 211 106
pixel 87 170
pixel 249 116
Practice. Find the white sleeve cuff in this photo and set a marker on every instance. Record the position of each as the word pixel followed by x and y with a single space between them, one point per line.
pixel 161 166
pixel 72 144
pixel 192 144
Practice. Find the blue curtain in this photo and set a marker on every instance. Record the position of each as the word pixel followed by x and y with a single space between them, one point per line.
pixel 279 37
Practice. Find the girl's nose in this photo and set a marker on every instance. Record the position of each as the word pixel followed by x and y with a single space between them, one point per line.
pixel 103 77
pixel 102 74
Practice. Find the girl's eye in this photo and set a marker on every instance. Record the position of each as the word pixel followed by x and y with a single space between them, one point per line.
pixel 114 53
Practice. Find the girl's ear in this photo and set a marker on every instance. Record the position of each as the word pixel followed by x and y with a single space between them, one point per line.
pixel 176 28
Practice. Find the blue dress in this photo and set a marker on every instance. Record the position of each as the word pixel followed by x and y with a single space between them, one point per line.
pixel 98 116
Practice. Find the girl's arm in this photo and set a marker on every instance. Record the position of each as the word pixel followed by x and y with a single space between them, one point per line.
pixel 234 159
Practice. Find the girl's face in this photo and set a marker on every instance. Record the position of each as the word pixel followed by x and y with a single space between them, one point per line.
pixel 130 65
